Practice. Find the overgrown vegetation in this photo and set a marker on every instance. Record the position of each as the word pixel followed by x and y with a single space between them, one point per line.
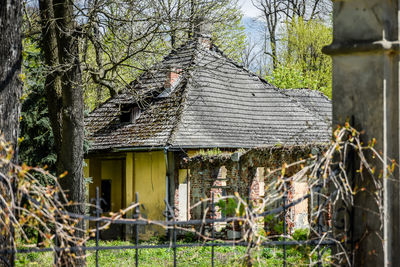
pixel 193 256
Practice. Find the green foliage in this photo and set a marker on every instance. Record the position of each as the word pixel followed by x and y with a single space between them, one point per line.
pixel 301 61
pixel 304 251
pixel 36 147
pixel 210 152
pixel 291 77
pixel 278 227
pixel 229 35
pixel 36 138
pixel 230 207
pixel 273 225
pixel 190 237
pixel 191 256
pixel 301 234
pixel 227 207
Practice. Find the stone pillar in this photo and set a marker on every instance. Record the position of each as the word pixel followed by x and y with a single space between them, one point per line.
pixel 366 93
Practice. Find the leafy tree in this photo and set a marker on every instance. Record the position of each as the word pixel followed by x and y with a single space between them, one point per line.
pixel 301 61
pixel 275 12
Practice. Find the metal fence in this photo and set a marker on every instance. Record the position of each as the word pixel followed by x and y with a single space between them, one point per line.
pixel 173 224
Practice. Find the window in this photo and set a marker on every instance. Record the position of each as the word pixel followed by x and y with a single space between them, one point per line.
pixel 130 114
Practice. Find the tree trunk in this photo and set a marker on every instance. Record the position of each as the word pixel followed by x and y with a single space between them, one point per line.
pixel 10 93
pixel 72 106
pixel 53 76
pixel 273 50
pixel 63 86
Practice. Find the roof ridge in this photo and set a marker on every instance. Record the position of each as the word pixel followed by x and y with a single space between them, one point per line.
pixel 218 50
pixel 184 94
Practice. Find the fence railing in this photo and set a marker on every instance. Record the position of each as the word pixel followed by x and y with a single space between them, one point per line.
pixel 173 226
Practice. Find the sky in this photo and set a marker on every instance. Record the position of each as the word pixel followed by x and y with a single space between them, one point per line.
pixel 252 26
pixel 248 9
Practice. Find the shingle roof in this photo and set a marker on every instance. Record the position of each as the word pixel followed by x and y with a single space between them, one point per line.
pixel 217 103
pixel 314 101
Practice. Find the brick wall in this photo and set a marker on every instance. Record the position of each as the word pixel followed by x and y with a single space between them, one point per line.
pixel 245 174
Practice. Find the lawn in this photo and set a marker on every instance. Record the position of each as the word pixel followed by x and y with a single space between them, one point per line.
pixel 193 256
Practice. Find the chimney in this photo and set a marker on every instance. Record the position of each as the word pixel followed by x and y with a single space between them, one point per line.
pixel 203 33
pixel 172 77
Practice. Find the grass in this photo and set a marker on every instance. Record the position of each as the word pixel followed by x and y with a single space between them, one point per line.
pixel 193 256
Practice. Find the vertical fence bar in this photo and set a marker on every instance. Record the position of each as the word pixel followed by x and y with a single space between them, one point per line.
pixel 56 237
pixel 136 216
pixel 13 251
pixel 174 237
pixel 284 228
pixel 55 246
pixel 233 233
pixel 97 224
pixel 212 228
pixel 319 226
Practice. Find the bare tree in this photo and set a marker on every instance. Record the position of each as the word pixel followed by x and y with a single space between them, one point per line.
pixel 277 12
pixel 250 54
pixel 122 39
pixel 273 12
pixel 308 9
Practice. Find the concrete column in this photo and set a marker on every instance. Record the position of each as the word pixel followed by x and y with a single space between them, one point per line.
pixel 366 93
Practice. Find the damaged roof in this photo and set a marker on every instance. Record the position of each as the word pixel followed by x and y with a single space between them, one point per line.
pixel 213 102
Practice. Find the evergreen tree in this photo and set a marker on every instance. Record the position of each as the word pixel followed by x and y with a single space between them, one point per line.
pixel 36 138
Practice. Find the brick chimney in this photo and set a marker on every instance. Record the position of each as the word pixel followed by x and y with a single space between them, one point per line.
pixel 172 76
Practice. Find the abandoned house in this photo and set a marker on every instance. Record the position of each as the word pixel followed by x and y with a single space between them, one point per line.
pixel 196 98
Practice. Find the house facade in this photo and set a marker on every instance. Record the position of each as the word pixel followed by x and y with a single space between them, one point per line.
pixel 196 98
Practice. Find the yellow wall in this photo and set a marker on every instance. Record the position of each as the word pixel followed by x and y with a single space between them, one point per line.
pixel 86 175
pixel 149 182
pixel 95 173
pixel 86 168
pixel 142 172
pixel 192 153
pixel 183 173
pixel 112 169
pixel 129 180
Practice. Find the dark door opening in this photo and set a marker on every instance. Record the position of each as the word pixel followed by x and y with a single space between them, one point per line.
pixel 106 195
